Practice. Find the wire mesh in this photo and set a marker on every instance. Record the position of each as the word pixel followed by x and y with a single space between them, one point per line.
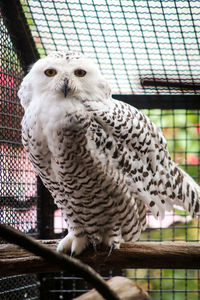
pixel 18 189
pixel 142 47
pixel 19 287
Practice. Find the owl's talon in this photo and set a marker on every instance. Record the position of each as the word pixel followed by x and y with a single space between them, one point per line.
pixel 72 254
pixel 94 243
pixel 70 243
pixel 112 248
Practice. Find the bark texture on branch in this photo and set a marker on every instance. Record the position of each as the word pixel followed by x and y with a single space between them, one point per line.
pixel 171 255
pixel 125 288
pixel 65 263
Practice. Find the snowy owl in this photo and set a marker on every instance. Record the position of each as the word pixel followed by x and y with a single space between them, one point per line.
pixel 104 162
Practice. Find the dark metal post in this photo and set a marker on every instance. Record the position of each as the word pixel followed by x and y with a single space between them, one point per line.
pixel 45 212
pixel 19 31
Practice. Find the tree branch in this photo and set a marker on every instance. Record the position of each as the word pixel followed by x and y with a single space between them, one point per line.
pixel 166 255
pixel 63 261
pixel 124 287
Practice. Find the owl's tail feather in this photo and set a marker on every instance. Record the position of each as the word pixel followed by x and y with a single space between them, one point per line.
pixel 187 191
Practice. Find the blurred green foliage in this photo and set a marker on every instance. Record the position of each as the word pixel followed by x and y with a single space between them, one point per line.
pixel 26 9
pixel 181 129
pixel 167 284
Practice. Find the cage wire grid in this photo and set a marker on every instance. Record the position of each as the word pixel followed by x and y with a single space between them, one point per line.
pixel 18 191
pixel 142 47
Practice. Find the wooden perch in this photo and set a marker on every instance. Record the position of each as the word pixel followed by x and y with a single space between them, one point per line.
pixel 169 255
pixel 63 261
pixel 123 287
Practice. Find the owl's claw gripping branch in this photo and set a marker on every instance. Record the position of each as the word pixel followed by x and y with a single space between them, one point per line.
pixel 63 261
pixel 72 254
pixel 94 243
pixel 112 248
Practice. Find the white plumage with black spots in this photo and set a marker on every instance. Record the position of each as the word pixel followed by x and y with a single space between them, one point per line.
pixel 105 163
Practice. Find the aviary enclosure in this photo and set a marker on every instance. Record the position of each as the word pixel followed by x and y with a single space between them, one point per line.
pixel 149 52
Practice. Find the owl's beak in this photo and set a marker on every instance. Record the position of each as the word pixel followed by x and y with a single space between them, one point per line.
pixel 65 88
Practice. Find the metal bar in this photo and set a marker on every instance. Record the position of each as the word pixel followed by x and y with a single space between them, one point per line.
pixel 161 101
pixel 45 212
pixel 19 31
pixel 172 84
pixel 17 203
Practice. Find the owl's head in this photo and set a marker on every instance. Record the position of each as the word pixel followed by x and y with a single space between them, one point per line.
pixel 63 75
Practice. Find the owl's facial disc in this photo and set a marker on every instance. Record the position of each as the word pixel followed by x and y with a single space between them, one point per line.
pixel 65 88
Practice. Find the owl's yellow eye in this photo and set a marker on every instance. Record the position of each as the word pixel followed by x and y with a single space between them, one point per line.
pixel 80 73
pixel 50 72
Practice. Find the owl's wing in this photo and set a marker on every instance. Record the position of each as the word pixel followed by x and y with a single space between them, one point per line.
pixel 38 152
pixel 137 147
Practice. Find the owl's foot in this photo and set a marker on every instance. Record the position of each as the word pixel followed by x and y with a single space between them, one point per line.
pixel 113 239
pixel 71 243
pixel 94 243
pixel 112 248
